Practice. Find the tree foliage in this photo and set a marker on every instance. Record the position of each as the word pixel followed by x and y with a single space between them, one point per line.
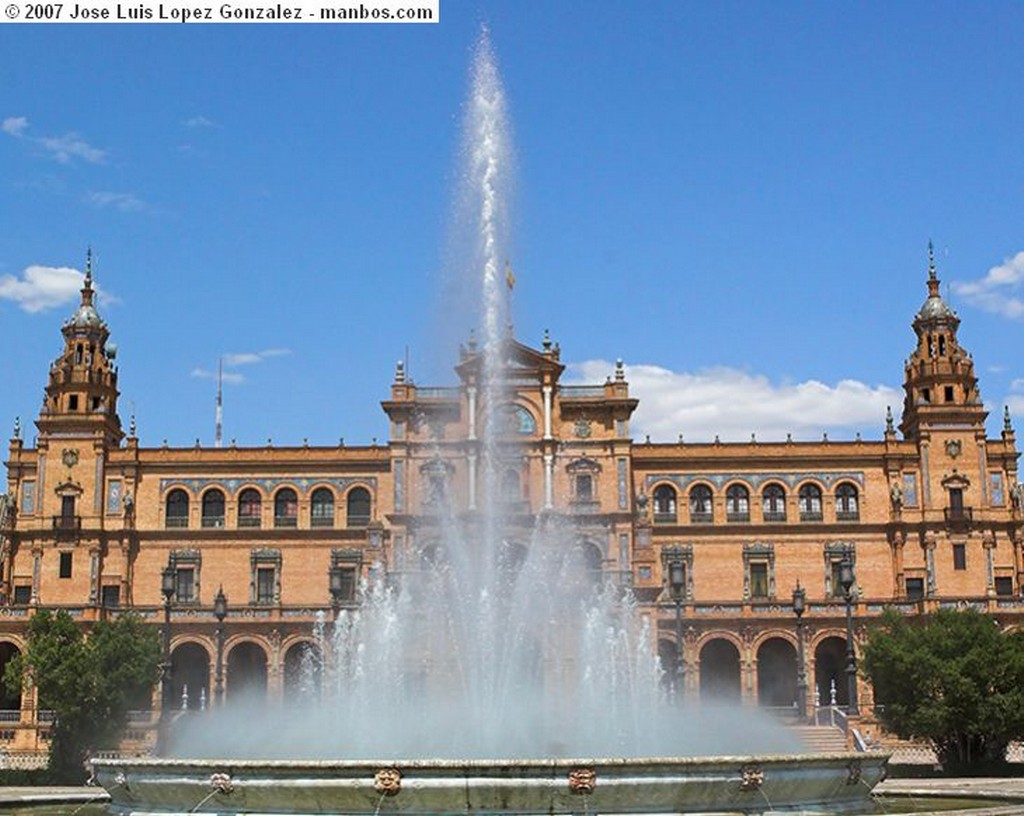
pixel 90 682
pixel 953 678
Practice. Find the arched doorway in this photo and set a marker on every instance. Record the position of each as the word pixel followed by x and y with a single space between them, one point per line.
pixel 303 673
pixel 719 670
pixel 829 669
pixel 9 701
pixel 776 673
pixel 247 672
pixel 190 677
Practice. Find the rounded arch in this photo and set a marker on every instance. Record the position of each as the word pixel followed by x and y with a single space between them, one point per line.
pixel 701 500
pixel 830 671
pixel 810 500
pixel 212 504
pixel 847 501
pixel 516 419
pixel 176 507
pixel 9 701
pixel 773 501
pixel 358 506
pixel 246 671
pixel 737 501
pixel 303 672
pixel 720 670
pixel 321 507
pixel 664 497
pixel 190 675
pixel 286 507
pixel 776 673
pixel 250 507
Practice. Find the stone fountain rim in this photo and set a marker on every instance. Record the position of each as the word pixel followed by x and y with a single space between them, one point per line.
pixel 553 763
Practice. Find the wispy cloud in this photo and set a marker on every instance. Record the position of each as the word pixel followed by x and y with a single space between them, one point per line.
pixel 125 202
pixel 64 149
pixel 46 287
pixel 733 404
pixel 236 359
pixel 999 291
pixel 200 122
pixel 14 125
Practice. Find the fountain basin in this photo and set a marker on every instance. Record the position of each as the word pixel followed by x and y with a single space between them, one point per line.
pixel 734 784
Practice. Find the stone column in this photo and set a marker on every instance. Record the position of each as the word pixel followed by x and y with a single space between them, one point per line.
pixel 547 389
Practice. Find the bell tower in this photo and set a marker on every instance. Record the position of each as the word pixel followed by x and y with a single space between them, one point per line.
pixel 81 392
pixel 939 381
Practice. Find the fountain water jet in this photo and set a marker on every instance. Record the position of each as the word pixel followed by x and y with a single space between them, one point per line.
pixel 473 675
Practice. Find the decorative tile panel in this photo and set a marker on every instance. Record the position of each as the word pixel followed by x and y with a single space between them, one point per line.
pixel 755 480
pixel 233 485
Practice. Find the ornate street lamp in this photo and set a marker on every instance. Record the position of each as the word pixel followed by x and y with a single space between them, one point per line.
pixel 846 580
pixel 677 585
pixel 336 581
pixel 799 607
pixel 220 611
pixel 167 590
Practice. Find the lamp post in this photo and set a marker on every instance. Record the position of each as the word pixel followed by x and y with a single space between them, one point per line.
pixel 677 585
pixel 799 606
pixel 220 611
pixel 336 582
pixel 846 579
pixel 167 590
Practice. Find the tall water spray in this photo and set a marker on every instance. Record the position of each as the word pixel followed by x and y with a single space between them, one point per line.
pixel 494 637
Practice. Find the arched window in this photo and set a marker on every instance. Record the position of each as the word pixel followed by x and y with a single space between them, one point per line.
pixel 358 507
pixel 773 503
pixel 213 508
pixel 286 508
pixel 700 504
pixel 250 508
pixel 177 509
pixel 511 485
pixel 664 504
pixel 321 508
pixel 847 504
pixel 810 502
pixel 737 503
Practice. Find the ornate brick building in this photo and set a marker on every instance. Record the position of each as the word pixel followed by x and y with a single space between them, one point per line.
pixel 713 538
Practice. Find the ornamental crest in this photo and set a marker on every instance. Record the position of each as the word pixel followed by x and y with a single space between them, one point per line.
pixel 69 456
pixel 953 447
pixel 582 428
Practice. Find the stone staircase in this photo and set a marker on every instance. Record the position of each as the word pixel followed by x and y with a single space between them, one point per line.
pixel 821 739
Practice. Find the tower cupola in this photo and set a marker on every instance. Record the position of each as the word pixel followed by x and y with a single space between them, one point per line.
pixel 81 392
pixel 939 382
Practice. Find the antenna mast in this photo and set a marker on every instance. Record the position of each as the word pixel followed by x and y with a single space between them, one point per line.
pixel 218 432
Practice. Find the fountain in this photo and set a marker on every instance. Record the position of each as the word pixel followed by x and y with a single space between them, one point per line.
pixel 489 676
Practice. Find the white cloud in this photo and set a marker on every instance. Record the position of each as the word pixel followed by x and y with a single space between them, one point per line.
pixel 231 377
pixel 126 202
pixel 999 291
pixel 46 287
pixel 14 125
pixel 72 146
pixel 733 404
pixel 252 357
pixel 200 122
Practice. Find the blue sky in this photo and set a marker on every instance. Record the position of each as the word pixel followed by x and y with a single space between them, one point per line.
pixel 735 198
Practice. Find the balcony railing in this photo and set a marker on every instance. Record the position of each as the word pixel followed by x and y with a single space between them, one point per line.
pixel 286 521
pixel 960 515
pixel 701 517
pixel 67 524
pixel 664 518
pixel 773 516
pixel 847 515
pixel 10 715
pixel 176 522
pixel 810 515
pixel 736 516
pixel 321 521
pixel 213 521
pixel 249 521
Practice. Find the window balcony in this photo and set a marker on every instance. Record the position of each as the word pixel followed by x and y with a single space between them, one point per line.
pixel 176 522
pixel 664 518
pixel 249 521
pixel 773 516
pixel 847 515
pixel 959 514
pixel 286 521
pixel 738 517
pixel 213 521
pixel 810 515
pixel 698 517
pixel 67 524
pixel 321 521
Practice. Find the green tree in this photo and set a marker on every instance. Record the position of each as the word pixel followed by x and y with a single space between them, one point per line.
pixel 90 682
pixel 953 678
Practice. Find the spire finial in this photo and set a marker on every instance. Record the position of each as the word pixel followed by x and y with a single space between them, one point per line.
pixel 17 427
pixel 931 260
pixel 88 267
pixel 888 420
pixel 399 372
pixel 1006 418
pixel 131 426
